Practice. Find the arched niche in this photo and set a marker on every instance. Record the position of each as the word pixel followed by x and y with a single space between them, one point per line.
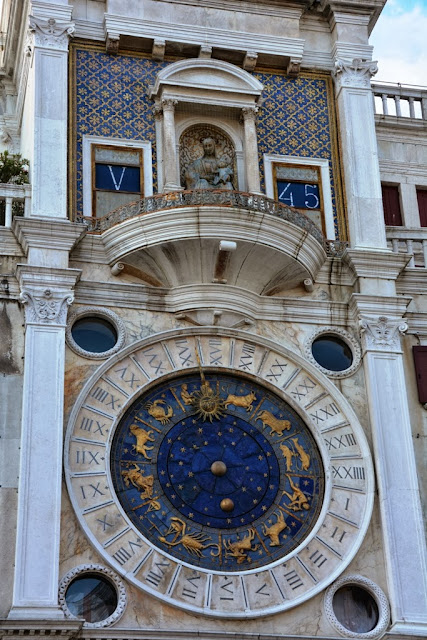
pixel 210 92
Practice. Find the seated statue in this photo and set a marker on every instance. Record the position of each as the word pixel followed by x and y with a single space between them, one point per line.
pixel 209 172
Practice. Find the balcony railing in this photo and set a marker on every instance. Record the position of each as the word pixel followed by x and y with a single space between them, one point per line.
pixel 400 101
pixel 15 200
pixel 213 198
pixel 412 242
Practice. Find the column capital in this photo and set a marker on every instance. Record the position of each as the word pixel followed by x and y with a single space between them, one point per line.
pixel 250 113
pixel 381 333
pixel 50 33
pixel 356 73
pixel 46 293
pixel 169 104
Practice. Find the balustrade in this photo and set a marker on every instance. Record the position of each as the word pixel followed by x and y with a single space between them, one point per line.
pixel 400 101
pixel 15 200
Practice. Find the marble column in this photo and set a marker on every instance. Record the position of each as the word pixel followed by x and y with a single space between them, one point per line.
pixel 360 154
pixel 251 149
pixel 49 70
pixel 399 500
pixel 46 294
pixel 170 164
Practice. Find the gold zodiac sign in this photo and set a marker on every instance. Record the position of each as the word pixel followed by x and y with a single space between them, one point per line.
pixel 193 541
pixel 298 499
pixel 139 481
pixel 158 412
pixel 288 454
pixel 276 425
pixel 241 548
pixel 187 398
pixel 142 437
pixel 241 401
pixel 303 456
pixel 275 530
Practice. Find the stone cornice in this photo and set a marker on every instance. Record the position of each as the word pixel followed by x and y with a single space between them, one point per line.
pixel 304 309
pixel 115 26
pixel 47 233
pixel 375 306
pixel 293 10
pixel 412 282
pixel 394 122
pixel 376 264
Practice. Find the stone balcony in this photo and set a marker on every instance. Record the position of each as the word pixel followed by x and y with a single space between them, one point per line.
pixel 213 236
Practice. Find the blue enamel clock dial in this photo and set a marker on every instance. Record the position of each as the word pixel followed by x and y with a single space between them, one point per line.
pixel 217 471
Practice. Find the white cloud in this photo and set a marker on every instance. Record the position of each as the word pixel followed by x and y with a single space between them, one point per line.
pixel 399 40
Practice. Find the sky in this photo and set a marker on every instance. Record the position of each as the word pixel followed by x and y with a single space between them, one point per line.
pixel 400 42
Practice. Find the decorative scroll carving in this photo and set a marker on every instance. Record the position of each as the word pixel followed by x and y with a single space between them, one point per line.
pixel 382 334
pixel 46 306
pixel 51 33
pixel 357 73
pixel 207 158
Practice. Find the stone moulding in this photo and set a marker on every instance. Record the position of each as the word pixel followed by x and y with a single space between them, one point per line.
pixel 374 590
pixel 105 572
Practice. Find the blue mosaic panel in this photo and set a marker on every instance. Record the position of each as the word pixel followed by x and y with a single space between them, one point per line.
pixel 295 121
pixel 199 466
pixel 112 101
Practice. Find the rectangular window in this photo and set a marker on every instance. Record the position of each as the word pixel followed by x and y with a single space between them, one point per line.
pixel 300 186
pixel 422 206
pixel 303 183
pixel 420 362
pixel 117 177
pixel 391 205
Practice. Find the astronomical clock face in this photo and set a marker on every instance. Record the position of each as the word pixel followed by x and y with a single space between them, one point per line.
pixel 218 474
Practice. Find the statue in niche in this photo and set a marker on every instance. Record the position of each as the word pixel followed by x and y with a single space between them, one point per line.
pixel 214 169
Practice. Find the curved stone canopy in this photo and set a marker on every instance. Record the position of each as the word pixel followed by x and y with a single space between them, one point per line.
pixel 209 80
pixel 179 247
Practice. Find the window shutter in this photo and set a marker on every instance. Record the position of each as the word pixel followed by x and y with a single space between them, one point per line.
pixel 420 361
pixel 391 204
pixel 422 206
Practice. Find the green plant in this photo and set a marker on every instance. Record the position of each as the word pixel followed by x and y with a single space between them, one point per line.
pixel 13 168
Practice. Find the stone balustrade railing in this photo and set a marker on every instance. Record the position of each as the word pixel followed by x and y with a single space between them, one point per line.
pixel 412 242
pixel 213 198
pixel 400 101
pixel 15 200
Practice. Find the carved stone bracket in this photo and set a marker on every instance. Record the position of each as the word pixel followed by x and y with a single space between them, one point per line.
pixel 357 73
pixel 382 334
pixel 46 306
pixel 294 68
pixel 112 45
pixel 51 33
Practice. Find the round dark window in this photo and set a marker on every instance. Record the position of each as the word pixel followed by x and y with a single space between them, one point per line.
pixel 94 335
pixel 332 353
pixel 91 597
pixel 355 609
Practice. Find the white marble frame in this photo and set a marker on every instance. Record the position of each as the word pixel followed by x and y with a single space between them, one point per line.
pixel 323 165
pixel 89 141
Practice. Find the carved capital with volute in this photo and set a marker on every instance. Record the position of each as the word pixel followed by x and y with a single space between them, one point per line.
pixel 169 104
pixel 46 306
pixel 382 333
pixel 50 33
pixel 357 73
pixel 249 114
